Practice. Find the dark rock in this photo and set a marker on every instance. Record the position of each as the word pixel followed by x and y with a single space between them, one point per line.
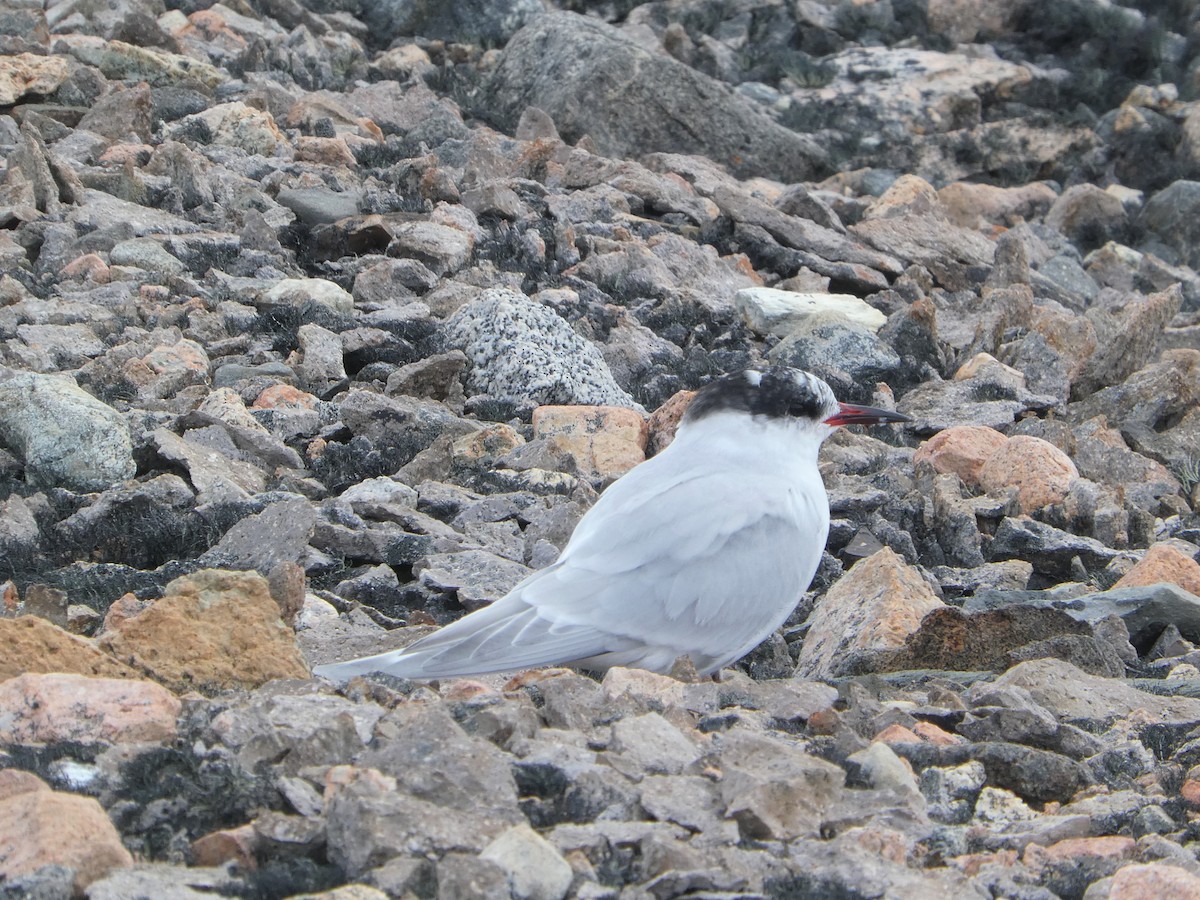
pixel 1050 549
pixel 561 58
pixel 477 22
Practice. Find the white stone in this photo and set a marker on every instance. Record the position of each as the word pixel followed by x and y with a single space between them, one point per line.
pixel 772 311
pixel 536 870
pixel 298 291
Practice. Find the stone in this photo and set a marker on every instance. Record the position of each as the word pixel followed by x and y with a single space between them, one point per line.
pixel 1050 549
pixel 210 631
pixel 26 73
pixel 522 352
pixel 440 248
pixel 1069 693
pixel 49 708
pixel 31 644
pixel 772 311
pixel 649 743
pixel 234 124
pixel 560 58
pixel 300 292
pixel 47 828
pixel 321 367
pixel 1041 473
pixel 605 441
pixel 536 870
pixel 65 436
pixel 1150 881
pixel 1163 562
pixel 480 22
pixel 850 358
pixel 1171 215
pixel 475 577
pixel 1088 215
pixel 873 607
pixel 774 790
pixel 962 450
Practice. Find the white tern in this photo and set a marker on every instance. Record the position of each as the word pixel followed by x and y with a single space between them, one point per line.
pixel 702 550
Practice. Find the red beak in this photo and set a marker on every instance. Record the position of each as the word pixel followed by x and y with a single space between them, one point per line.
pixel 852 414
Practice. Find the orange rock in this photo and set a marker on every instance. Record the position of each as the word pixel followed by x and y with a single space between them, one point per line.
pixel 1041 473
pixel 971 863
pixel 211 631
pixel 31 644
pixel 236 845
pixel 1113 846
pixel 326 151
pixel 606 441
pixel 874 606
pixel 898 734
pixel 1163 562
pixel 46 828
pixel 1154 881
pixel 664 421
pixel 927 731
pixel 1190 792
pixel 962 450
pixel 285 396
pixel 16 781
pixel 124 607
pixel 45 708
pixel 89 267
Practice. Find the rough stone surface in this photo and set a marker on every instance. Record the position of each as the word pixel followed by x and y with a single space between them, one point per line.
pixel 874 606
pixel 1041 473
pixel 210 631
pixel 65 436
pixel 31 644
pixel 45 708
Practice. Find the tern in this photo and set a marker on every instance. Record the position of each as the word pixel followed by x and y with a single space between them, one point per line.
pixel 703 550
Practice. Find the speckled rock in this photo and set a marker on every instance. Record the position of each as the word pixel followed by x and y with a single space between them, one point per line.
pixel 1163 562
pixel 66 437
pixel 961 449
pixel 31 644
pixel 523 352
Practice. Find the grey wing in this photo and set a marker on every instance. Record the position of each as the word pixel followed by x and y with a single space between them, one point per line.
pixel 644 572
pixel 709 583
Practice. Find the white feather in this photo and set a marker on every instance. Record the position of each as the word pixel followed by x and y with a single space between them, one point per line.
pixel 704 549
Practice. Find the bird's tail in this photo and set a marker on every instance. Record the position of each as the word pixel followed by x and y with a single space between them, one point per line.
pixel 510 634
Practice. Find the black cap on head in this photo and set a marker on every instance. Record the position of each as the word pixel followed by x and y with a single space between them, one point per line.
pixel 779 392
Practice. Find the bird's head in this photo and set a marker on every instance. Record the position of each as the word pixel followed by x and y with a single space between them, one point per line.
pixel 786 395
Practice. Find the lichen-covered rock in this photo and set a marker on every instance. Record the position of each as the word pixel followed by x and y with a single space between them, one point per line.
pixel 210 631
pixel 523 352
pixel 65 436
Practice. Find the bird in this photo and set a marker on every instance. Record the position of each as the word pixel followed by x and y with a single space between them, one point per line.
pixel 703 550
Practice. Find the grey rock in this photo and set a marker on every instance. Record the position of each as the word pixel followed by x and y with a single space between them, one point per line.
pixel 294 724
pixel 440 248
pixel 146 253
pixel 850 358
pixel 1171 215
pixel 1088 215
pixel 216 476
pixel 593 80
pixel 1128 330
pixel 476 577
pixel 319 205
pixel 164 881
pixel 1069 693
pixel 65 436
pixel 471 878
pixel 278 534
pixel 434 760
pixel 649 743
pixel 67 346
pixel 322 369
pixel 773 789
pixel 523 352
pixel 992 399
pixel 473 22
pixel 1050 549
pixel 535 868
pixel 951 791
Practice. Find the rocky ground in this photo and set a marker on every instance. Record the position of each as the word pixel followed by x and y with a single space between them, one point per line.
pixel 323 321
